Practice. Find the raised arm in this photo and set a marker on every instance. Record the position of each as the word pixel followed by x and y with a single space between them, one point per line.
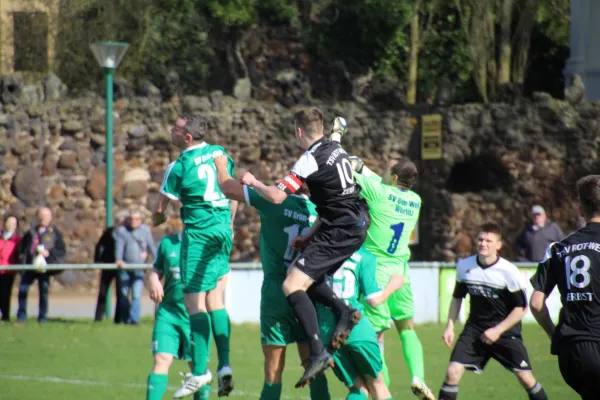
pixel 232 189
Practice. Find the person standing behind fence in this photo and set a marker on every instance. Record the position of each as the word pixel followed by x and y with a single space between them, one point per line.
pixel 9 247
pixel 105 254
pixel 132 243
pixel 45 240
pixel 537 236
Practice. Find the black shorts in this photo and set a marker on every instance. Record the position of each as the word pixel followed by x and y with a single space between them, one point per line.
pixel 471 352
pixel 329 248
pixel 579 364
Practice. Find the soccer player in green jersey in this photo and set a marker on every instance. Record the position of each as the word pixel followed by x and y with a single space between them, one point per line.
pixel 394 210
pixel 358 363
pixel 205 249
pixel 280 225
pixel 171 334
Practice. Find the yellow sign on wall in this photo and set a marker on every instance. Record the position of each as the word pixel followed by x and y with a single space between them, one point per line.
pixel 431 137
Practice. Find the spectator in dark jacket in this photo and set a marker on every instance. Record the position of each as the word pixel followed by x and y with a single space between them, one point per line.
pixel 536 237
pixel 105 254
pixel 45 240
pixel 9 255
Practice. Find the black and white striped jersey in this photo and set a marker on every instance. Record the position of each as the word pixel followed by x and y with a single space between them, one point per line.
pixel 495 290
pixel 326 170
pixel 573 265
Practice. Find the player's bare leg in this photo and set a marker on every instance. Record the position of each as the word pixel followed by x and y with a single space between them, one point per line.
pixel 378 388
pixel 531 385
pixel 273 366
pixel 413 354
pixel 221 329
pixel 381 344
pixel 195 303
pixel 158 379
pixel 449 390
pixel 294 288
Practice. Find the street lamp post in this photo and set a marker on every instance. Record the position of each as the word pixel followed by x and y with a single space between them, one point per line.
pixel 109 56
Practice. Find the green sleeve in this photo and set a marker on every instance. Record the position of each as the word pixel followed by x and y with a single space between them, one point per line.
pixel 159 262
pixel 255 200
pixel 368 281
pixel 371 189
pixel 171 185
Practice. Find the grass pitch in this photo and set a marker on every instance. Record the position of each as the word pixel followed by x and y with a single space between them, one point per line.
pixel 82 360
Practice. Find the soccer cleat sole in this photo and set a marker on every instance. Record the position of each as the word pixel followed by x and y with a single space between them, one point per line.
pixel 422 392
pixel 302 383
pixel 227 386
pixel 340 339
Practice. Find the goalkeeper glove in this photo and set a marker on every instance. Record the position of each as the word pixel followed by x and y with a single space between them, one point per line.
pixel 338 128
pixel 357 164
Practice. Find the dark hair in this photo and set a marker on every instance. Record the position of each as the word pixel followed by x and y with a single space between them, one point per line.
pixel 310 120
pixel 588 191
pixel 406 171
pixel 491 227
pixel 7 216
pixel 195 125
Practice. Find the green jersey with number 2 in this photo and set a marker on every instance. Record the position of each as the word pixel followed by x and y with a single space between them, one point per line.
pixel 394 214
pixel 279 225
pixel 192 179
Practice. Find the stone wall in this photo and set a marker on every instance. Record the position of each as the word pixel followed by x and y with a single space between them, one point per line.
pixel 498 160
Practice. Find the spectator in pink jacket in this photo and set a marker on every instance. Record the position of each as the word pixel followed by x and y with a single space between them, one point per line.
pixel 9 245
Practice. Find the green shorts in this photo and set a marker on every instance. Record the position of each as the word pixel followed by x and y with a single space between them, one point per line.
pixel 204 257
pixel 356 360
pixel 399 306
pixel 278 324
pixel 172 336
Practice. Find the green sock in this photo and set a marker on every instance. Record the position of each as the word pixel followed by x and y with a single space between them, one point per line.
pixel 157 386
pixel 203 393
pixel 384 370
pixel 200 324
pixel 319 390
pixel 271 391
pixel 222 332
pixel 413 353
pixel 356 394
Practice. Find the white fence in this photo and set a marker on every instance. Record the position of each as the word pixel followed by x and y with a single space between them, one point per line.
pixel 432 285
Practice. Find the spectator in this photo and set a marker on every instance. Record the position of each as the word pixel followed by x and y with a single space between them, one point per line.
pixel 535 238
pixel 105 254
pixel 44 239
pixel 132 241
pixel 9 255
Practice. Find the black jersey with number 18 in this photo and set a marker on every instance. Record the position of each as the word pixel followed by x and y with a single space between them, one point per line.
pixel 573 264
pixel 326 170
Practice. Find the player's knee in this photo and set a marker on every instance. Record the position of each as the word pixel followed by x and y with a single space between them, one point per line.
pixel 526 379
pixel 454 373
pixel 162 362
pixel 195 303
pixel 405 324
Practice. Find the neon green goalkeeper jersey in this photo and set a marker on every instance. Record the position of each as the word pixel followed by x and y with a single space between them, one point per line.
pixel 167 263
pixel 192 179
pixel 394 215
pixel 279 225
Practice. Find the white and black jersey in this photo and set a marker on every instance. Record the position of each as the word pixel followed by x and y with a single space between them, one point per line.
pixel 327 171
pixel 495 290
pixel 573 264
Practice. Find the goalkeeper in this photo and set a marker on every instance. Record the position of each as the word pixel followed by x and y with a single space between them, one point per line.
pixel 171 334
pixel 394 210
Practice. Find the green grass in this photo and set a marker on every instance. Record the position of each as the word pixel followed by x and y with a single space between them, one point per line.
pixel 103 361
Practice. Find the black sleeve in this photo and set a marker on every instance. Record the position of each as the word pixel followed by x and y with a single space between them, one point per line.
pixel 100 248
pixel 517 299
pixel 24 248
pixel 460 290
pixel 58 252
pixel 545 278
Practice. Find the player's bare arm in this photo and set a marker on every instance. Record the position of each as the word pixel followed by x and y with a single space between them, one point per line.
pixel 159 215
pixel 540 312
pixel 232 189
pixel 491 335
pixel 453 312
pixel 270 193
pixel 155 286
pixel 396 282
pixel 300 242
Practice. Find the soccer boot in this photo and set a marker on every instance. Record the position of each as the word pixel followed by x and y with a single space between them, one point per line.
pixel 225 375
pixel 191 384
pixel 316 365
pixel 420 389
pixel 347 320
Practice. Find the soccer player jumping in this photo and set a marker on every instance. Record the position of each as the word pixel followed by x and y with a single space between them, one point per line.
pixel 394 209
pixel 205 249
pixel 341 230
